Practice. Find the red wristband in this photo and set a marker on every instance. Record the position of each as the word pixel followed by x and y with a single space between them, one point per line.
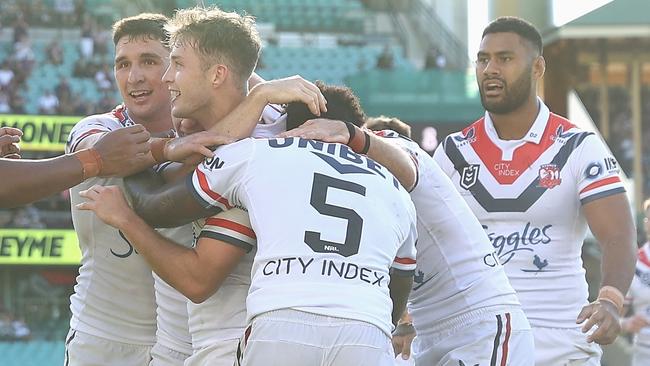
pixel 91 162
pixel 157 147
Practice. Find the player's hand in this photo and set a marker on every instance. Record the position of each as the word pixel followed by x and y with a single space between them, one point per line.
pixel 108 203
pixel 604 315
pixel 9 139
pixel 326 130
pixel 192 149
pixel 402 339
pixel 634 323
pixel 291 89
pixel 123 151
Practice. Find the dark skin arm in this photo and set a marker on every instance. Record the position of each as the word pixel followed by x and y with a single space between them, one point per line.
pixel 400 288
pixel 611 223
pixel 23 181
pixel 164 204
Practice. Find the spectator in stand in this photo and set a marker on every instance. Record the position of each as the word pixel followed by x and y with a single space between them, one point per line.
pixel 83 68
pixel 54 52
pixel 24 54
pixel 63 91
pixel 64 10
pixel 4 102
pixel 386 60
pixel 6 74
pixel 20 27
pixel 86 43
pixel 48 103
pixel 103 78
pixel 17 104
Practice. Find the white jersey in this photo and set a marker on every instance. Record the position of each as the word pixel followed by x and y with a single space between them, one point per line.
pixel 327 246
pixel 457 270
pixel 528 194
pixel 223 315
pixel 640 293
pixel 171 310
pixel 114 295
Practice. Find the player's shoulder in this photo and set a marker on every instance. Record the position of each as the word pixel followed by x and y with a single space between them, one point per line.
pixel 466 136
pixel 110 120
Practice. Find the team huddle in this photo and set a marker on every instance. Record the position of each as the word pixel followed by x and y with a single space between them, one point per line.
pixel 315 235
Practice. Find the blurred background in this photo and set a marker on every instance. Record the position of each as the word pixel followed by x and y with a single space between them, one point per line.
pixel 411 59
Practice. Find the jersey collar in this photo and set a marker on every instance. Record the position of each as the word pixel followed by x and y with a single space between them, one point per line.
pixel 536 131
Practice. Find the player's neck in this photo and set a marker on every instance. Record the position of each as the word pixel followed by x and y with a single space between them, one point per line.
pixel 217 111
pixel 516 124
pixel 160 122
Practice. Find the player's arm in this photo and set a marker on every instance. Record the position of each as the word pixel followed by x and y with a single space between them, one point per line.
pixel 242 120
pixel 110 154
pixel 388 154
pixel 607 211
pixel 610 220
pixel 196 272
pixel 400 288
pixel 164 204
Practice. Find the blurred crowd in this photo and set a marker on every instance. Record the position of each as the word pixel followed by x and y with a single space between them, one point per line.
pixel 18 59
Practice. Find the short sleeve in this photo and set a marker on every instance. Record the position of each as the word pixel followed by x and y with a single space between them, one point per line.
pixel 232 226
pixel 440 156
pixel 405 260
pixel 597 171
pixel 87 127
pixel 218 180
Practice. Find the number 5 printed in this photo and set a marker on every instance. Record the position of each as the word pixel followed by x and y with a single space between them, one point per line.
pixel 319 190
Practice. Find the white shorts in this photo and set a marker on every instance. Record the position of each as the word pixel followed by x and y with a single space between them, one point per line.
pixel 295 338
pixel 564 347
pixel 222 353
pixel 82 349
pixel 164 356
pixel 483 338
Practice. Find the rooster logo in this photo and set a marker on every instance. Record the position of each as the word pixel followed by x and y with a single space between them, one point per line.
pixel 461 363
pixel 540 264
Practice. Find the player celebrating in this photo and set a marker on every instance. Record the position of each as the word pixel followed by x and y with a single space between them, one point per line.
pixel 462 306
pixel 535 181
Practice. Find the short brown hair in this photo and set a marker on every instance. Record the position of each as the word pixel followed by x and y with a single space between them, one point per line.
pixel 145 25
pixel 342 105
pixel 388 123
pixel 218 36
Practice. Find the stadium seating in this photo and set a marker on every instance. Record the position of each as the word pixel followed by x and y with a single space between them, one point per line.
pixel 332 65
pixel 337 16
pixel 32 353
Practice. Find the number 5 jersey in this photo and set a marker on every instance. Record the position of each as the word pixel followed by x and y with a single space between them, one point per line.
pixel 329 224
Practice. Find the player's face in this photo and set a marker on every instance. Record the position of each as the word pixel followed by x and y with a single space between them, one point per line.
pixel 139 65
pixel 187 83
pixel 504 72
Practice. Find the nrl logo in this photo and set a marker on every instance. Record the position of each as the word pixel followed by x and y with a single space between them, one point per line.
pixel 549 176
pixel 469 177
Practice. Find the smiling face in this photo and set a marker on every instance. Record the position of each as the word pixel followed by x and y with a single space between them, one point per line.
pixel 506 68
pixel 188 83
pixel 139 65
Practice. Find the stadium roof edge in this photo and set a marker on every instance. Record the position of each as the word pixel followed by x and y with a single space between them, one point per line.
pixel 617 19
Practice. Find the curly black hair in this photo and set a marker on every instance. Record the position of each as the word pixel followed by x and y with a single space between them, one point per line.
pixel 342 105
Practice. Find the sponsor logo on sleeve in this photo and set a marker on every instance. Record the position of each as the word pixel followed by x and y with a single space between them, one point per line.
pixel 594 170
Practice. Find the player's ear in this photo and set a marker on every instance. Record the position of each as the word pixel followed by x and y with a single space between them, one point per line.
pixel 539 67
pixel 217 74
